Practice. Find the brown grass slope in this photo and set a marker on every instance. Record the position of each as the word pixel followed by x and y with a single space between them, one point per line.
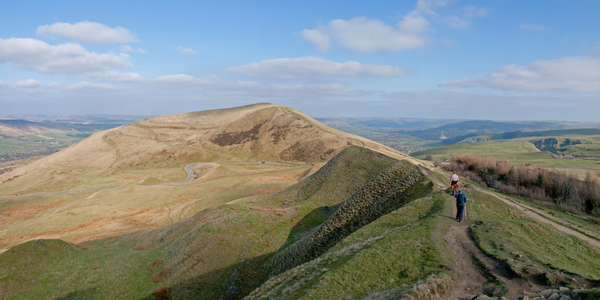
pixel 248 133
pixel 17 128
pixel 226 250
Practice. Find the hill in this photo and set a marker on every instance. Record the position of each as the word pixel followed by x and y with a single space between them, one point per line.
pixel 230 249
pixel 21 138
pixel 411 135
pixel 261 132
pixel 367 223
pixel 364 226
pixel 16 128
pixel 120 180
pixel 473 128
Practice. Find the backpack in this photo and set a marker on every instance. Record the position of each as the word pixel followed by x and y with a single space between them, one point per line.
pixel 461 198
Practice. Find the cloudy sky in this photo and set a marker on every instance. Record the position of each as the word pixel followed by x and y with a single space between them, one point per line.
pixel 496 59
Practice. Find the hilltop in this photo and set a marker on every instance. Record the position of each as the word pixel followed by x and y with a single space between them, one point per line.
pixel 260 132
pixel 123 175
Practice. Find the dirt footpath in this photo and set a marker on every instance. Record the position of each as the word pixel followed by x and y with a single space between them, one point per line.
pixel 535 214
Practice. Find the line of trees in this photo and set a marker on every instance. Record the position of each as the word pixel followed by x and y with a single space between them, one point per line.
pixel 553 189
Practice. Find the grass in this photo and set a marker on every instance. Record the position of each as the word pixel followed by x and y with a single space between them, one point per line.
pixel 399 141
pixel 521 151
pixel 120 206
pixel 588 223
pixel 500 150
pixel 388 256
pixel 225 249
pixel 30 271
pixel 504 232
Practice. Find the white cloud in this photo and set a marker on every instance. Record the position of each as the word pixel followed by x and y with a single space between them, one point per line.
pixel 92 85
pixel 29 83
pixel 183 79
pixel 571 74
pixel 362 34
pixel 186 50
pixel 310 67
pixel 88 32
pixel 116 76
pixel 53 85
pixel 218 87
pixel 368 35
pixel 308 90
pixel 2 83
pixel 534 27
pixel 129 49
pixel 318 38
pixel 70 58
pixel 472 11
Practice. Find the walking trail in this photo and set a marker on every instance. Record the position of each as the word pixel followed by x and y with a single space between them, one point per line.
pixel 470 280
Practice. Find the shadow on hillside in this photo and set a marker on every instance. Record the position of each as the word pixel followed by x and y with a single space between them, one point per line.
pixel 307 224
pixel 240 279
pixel 87 294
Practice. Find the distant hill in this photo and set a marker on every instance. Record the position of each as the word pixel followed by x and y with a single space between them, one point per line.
pixel 385 123
pixel 466 129
pixel 16 128
pixel 250 133
pixel 521 134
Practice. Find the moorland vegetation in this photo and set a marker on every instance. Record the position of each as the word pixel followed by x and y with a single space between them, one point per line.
pixel 551 188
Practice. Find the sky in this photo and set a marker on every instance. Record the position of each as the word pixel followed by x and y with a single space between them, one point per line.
pixel 492 60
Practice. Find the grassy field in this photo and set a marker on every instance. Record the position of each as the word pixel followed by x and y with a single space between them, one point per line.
pixel 510 150
pixel 522 151
pixel 532 250
pixel 228 249
pixel 386 258
pixel 136 204
pixel 577 222
pixel 400 141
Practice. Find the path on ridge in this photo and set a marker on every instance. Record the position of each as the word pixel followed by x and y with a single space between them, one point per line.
pixel 470 281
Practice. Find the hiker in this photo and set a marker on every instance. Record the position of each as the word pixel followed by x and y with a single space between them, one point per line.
pixel 454 182
pixel 460 205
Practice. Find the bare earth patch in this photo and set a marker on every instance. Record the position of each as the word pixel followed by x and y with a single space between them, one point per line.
pixel 22 212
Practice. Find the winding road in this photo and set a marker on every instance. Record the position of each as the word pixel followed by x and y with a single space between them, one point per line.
pixel 187 169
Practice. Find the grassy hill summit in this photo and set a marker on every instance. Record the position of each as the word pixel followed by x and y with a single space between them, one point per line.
pixel 121 180
pixel 259 132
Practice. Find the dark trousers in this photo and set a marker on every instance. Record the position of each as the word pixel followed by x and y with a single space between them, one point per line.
pixel 460 208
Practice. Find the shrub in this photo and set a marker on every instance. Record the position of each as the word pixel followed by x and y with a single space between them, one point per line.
pixel 553 189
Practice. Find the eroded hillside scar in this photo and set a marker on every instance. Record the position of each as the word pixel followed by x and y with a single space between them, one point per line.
pixel 236 138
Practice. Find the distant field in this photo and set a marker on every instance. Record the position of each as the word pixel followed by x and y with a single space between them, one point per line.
pixel 20 139
pixel 499 150
pixel 522 150
pixel 22 147
pixel 412 135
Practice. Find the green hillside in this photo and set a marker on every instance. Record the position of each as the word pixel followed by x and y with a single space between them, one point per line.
pixel 574 151
pixel 508 150
pixel 226 250
pixel 364 226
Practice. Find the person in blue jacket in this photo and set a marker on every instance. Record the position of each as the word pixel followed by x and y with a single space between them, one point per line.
pixel 461 199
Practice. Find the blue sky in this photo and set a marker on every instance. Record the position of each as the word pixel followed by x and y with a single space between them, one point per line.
pixel 497 59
